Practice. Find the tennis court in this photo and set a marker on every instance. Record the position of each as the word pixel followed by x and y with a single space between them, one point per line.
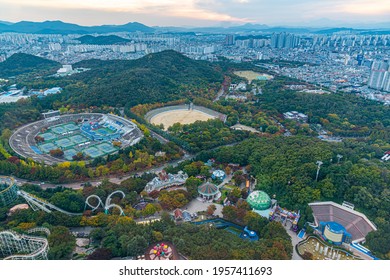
pixel 46 148
pixel 93 152
pixel 58 129
pixel 71 127
pixel 106 148
pixel 104 131
pixel 48 136
pixel 68 154
pixel 78 139
pixel 64 143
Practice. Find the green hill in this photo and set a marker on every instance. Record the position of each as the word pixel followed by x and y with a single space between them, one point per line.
pixel 158 77
pixel 102 40
pixel 21 63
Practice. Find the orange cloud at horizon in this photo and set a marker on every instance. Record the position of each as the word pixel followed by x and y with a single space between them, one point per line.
pixel 182 9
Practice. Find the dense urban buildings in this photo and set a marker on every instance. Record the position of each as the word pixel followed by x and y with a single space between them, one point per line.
pixel 344 60
pixel 170 143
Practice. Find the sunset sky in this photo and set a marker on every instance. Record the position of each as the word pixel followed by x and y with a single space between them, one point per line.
pixel 197 12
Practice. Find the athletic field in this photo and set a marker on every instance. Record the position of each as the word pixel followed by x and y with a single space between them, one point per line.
pixel 182 116
pixel 251 75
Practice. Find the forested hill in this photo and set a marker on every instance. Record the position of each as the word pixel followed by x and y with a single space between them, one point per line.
pixel 21 63
pixel 102 40
pixel 158 77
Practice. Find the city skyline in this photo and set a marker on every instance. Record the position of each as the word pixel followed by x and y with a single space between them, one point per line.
pixel 200 12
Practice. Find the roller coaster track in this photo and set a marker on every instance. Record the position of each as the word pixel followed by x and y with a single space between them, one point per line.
pixel 12 242
pixel 107 205
pixel 37 203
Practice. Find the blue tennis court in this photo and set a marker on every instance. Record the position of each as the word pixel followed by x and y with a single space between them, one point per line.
pixel 68 154
pixel 78 139
pixel 93 152
pixel 47 147
pixel 71 127
pixel 48 136
pixel 64 143
pixel 106 148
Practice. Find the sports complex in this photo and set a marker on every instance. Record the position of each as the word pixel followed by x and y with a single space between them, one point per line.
pixel 183 114
pixel 90 134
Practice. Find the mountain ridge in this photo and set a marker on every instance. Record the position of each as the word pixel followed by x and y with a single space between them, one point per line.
pixel 60 27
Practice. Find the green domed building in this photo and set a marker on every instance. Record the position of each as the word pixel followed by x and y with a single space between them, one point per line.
pixel 259 200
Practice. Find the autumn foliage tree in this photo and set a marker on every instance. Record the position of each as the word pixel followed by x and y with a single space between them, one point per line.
pixel 56 153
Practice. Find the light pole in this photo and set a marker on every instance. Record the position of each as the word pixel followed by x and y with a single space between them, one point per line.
pixel 338 158
pixel 318 168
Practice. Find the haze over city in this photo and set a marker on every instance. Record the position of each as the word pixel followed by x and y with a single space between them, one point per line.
pixel 201 12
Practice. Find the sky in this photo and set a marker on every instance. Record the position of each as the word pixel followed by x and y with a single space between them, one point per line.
pixel 199 12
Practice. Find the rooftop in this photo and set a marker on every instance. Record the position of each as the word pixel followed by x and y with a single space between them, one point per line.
pixel 259 200
pixel 208 189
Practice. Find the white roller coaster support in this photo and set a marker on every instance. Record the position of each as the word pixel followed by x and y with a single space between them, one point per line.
pixel 11 243
pixel 43 205
pixel 37 203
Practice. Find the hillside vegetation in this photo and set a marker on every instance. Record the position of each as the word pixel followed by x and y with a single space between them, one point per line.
pixel 159 77
pixel 102 40
pixel 21 63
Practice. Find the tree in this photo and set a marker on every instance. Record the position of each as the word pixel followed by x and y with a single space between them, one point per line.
pixel 61 243
pixel 100 254
pixel 255 222
pixel 228 170
pixel 234 194
pixel 274 230
pixel 97 234
pixel 78 156
pixel 56 153
pixel 229 213
pixel 158 236
pixel 173 199
pixel 39 139
pixel 136 246
pixel 239 179
pixel 192 184
pixel 327 188
pixel 211 209
pixel 272 129
pixel 149 210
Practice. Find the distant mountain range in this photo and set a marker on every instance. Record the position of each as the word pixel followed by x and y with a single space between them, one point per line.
pixel 5 22
pixel 59 27
pixel 248 28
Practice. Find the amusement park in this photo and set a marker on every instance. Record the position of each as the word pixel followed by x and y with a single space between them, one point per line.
pixel 336 233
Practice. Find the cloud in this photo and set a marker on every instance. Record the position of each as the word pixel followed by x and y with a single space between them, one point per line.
pixel 197 12
pixel 183 9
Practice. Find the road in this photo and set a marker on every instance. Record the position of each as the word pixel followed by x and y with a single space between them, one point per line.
pixel 219 95
pixel 117 179
pixel 113 179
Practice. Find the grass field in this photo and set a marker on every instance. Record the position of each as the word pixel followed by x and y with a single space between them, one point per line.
pixel 182 116
pixel 251 75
